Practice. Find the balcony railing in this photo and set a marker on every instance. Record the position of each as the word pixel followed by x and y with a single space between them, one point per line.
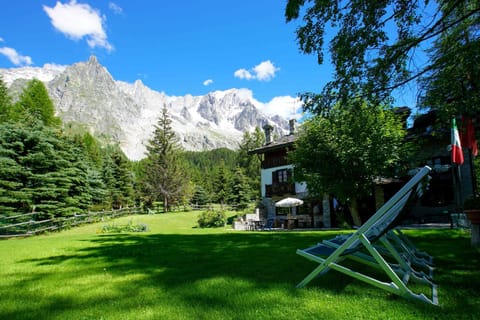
pixel 279 189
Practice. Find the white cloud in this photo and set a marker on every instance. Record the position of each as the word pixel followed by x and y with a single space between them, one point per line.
pixel 264 71
pixel 243 74
pixel 1 39
pixel 77 20
pixel 285 106
pixel 115 8
pixel 16 58
pixel 207 82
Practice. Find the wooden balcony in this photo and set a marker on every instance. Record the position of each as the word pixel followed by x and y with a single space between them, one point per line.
pixel 279 189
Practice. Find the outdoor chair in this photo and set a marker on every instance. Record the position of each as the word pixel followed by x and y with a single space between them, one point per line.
pixel 377 244
pixel 268 225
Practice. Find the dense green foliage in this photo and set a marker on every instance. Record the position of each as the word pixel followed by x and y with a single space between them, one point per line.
pixel 5 102
pixel 239 190
pixel 212 218
pixel 117 176
pixel 165 178
pixel 229 177
pixel 203 166
pixel 200 196
pixel 452 83
pixel 56 169
pixel 342 153
pixel 251 163
pixel 374 45
pixel 35 105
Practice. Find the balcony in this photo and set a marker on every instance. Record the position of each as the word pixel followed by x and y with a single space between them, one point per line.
pixel 279 189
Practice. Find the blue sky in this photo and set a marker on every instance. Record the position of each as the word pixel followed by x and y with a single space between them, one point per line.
pixel 178 47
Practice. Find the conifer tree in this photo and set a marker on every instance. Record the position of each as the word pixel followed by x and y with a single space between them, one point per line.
pixel 239 196
pixel 165 178
pixel 200 196
pixel 251 163
pixel 13 176
pixel 221 184
pixel 35 105
pixel 41 171
pixel 118 178
pixel 5 102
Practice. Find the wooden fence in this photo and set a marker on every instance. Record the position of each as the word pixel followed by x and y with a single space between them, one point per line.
pixel 29 224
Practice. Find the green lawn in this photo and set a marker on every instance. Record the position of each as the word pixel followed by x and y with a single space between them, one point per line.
pixel 177 271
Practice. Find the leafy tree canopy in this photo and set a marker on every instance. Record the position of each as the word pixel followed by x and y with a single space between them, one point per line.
pixel 452 85
pixel 373 43
pixel 342 153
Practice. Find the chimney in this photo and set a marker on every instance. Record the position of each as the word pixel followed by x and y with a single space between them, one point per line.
pixel 268 133
pixel 291 125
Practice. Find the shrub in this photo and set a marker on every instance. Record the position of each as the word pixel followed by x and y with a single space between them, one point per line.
pixel 212 218
pixel 130 227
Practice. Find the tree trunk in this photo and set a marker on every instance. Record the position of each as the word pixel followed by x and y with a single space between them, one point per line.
pixel 326 211
pixel 165 204
pixel 357 221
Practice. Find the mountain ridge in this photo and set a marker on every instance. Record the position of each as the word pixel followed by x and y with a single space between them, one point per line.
pixel 86 92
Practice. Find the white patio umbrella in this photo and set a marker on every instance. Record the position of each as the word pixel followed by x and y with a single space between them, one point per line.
pixel 289 203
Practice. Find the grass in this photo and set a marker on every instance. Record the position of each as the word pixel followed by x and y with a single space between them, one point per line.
pixel 178 271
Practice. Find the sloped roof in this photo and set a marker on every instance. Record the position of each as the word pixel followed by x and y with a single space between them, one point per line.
pixel 283 142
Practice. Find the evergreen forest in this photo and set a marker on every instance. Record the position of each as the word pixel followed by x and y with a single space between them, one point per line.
pixel 56 169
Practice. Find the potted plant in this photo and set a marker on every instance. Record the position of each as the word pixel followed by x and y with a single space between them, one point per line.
pixel 471 207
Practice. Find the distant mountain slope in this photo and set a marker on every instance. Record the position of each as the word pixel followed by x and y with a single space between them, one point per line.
pixel 85 92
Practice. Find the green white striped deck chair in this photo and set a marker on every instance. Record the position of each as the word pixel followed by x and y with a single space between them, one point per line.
pixel 378 245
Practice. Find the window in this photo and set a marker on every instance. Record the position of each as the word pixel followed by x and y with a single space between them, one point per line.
pixel 281 176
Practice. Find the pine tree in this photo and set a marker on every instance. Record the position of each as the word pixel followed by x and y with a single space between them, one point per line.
pixel 13 176
pixel 240 190
pixel 202 166
pixel 42 171
pixel 221 183
pixel 165 179
pixel 35 105
pixel 251 163
pixel 118 178
pixel 5 102
pixel 200 196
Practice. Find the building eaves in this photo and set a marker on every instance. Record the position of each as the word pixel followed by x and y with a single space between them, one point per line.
pixel 283 142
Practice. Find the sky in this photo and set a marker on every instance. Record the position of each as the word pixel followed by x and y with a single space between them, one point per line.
pixel 177 47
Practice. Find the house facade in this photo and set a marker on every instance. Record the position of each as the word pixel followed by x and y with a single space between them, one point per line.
pixel 449 184
pixel 276 176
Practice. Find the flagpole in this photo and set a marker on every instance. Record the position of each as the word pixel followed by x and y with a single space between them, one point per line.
pixel 457 160
pixel 460 189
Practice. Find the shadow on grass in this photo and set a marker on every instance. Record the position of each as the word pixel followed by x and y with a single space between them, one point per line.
pixel 225 271
pixel 260 257
pixel 217 272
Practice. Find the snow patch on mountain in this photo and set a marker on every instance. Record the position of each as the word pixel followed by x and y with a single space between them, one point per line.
pixel 85 92
pixel 45 74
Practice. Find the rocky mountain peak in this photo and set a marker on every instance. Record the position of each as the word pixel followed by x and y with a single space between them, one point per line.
pixel 85 92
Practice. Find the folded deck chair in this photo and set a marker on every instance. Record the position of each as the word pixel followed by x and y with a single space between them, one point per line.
pixel 395 244
pixel 376 244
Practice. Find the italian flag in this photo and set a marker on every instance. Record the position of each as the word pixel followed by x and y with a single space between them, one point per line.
pixel 457 153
